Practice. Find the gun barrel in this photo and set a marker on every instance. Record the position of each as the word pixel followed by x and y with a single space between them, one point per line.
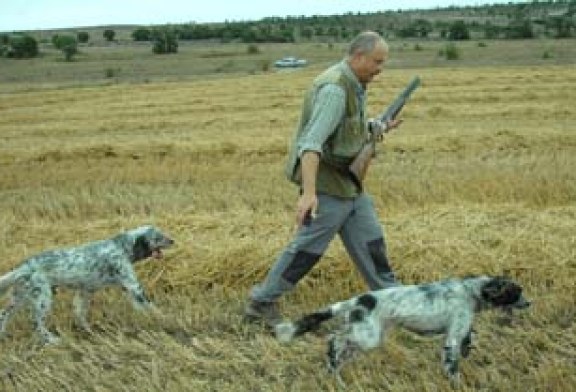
pixel 400 100
pixel 359 165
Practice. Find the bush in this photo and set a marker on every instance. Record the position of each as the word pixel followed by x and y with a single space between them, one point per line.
pixel 253 49
pixel 265 65
pixel 22 46
pixel 111 72
pixel 452 52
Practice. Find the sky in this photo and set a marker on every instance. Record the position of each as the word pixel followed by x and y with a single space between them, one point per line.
pixel 20 15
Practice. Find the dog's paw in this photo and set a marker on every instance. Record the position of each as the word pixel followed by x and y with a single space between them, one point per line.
pixel 82 326
pixel 51 340
pixel 284 332
pixel 455 381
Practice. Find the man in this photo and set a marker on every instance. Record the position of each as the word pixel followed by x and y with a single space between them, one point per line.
pixel 331 132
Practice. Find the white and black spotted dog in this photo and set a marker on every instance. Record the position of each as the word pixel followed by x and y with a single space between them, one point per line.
pixel 440 308
pixel 85 269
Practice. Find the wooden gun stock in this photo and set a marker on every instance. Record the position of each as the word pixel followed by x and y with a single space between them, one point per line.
pixel 359 166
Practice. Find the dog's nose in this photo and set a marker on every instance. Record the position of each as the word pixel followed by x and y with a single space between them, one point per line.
pixel 522 303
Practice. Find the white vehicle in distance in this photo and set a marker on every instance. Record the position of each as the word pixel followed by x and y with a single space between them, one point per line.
pixel 290 62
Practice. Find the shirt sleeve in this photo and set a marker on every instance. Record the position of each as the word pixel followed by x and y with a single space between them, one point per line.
pixel 327 113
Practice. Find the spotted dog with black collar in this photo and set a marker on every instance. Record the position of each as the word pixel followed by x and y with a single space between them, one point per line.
pixel 445 308
pixel 85 269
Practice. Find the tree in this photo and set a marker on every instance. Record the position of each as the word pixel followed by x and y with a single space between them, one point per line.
pixel 4 41
pixel 334 32
pixel 109 35
pixel 458 31
pixel 491 31
pixel 165 41
pixel 83 37
pixel 423 27
pixel 562 24
pixel 142 34
pixel 249 35
pixel 307 32
pixel 67 44
pixel 22 46
pixel 520 28
pixel 418 28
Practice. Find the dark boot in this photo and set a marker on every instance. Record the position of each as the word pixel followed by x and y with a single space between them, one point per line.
pixel 266 312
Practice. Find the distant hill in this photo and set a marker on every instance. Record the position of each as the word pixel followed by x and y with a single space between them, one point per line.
pixel 556 19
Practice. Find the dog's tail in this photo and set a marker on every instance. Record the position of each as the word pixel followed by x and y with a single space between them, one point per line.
pixel 285 332
pixel 7 280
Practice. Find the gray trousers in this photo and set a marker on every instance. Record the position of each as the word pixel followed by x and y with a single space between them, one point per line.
pixel 356 222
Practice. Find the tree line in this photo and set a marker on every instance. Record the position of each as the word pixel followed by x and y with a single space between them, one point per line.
pixel 20 45
pixel 553 19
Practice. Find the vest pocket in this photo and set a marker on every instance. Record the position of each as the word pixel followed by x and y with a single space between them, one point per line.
pixel 349 138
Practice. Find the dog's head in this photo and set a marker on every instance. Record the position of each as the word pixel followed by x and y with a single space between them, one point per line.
pixel 504 293
pixel 148 241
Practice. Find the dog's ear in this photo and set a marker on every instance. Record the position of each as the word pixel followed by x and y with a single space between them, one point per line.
pixel 141 248
pixel 501 291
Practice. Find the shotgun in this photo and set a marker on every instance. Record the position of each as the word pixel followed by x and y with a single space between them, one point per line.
pixel 359 165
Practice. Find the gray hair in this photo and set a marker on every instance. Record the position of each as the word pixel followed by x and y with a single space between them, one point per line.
pixel 365 43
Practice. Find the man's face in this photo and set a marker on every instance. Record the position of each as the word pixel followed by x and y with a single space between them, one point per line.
pixel 366 66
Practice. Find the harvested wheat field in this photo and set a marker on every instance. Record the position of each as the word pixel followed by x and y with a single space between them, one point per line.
pixel 480 178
